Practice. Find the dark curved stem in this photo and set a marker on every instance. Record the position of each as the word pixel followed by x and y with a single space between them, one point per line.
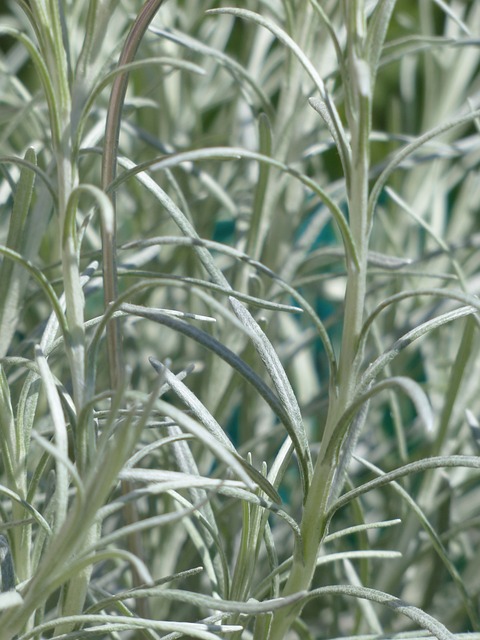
pixel 109 243
pixel 109 168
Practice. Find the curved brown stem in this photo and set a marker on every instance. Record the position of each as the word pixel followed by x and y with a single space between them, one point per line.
pixel 109 245
pixel 109 168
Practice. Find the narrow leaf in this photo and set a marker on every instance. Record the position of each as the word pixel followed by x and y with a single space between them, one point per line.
pixel 255 236
pixel 205 417
pixel 231 358
pixel 469 462
pixel 408 150
pixel 425 621
pixel 61 439
pixel 377 30
pixel 13 279
pixel 385 358
pixel 295 427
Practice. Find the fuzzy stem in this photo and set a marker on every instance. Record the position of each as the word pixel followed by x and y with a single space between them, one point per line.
pixel 315 519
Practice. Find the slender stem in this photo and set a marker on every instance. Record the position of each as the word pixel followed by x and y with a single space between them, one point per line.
pixel 315 519
pixel 109 243
pixel 109 167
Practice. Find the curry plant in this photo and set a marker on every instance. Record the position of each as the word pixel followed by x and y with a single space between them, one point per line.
pixel 239 319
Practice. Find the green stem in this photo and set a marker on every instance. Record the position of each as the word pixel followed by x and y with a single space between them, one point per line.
pixel 315 518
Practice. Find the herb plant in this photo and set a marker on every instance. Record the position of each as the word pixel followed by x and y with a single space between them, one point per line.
pixel 239 319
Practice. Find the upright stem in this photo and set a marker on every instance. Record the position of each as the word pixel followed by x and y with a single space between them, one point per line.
pixel 48 24
pixel 314 521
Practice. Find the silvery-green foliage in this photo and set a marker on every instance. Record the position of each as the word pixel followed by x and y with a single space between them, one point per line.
pixel 239 319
